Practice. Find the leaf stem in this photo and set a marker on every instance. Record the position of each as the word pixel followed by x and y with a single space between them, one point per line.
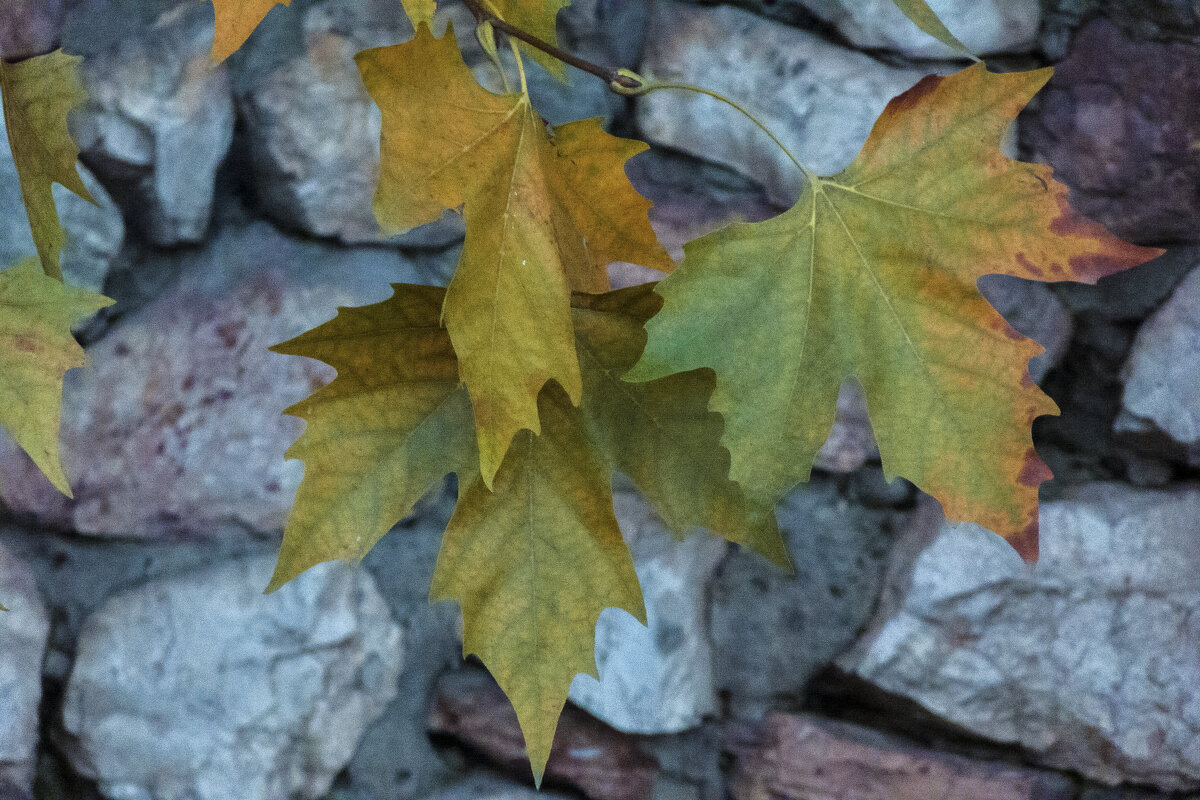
pixel 649 86
pixel 520 66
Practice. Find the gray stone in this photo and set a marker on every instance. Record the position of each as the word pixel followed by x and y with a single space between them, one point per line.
pixel 94 231
pixel 157 124
pixel 1087 661
pixel 984 26
pixel 1145 20
pixel 395 758
pixel 820 99
pixel 655 679
pixel 313 136
pixel 199 687
pixel 176 428
pixel 487 787
pixel 1035 311
pixel 1162 374
pixel 772 631
pixel 30 28
pixel 23 631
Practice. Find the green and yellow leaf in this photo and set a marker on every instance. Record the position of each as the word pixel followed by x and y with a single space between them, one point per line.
pixel 37 313
pixel 872 276
pixel 419 11
pixel 37 94
pixel 539 18
pixel 535 560
pixel 235 21
pixel 544 216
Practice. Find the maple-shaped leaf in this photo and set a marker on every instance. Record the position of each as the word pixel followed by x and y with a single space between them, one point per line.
pixel 235 20
pixel 539 18
pixel 544 215
pixel 37 94
pixel 927 20
pixel 535 560
pixel 394 422
pixel 36 349
pixel 872 275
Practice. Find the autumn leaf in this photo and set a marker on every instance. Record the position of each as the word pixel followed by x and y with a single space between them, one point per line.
pixel 545 213
pixel 534 561
pixel 872 276
pixel 924 18
pixel 36 349
pixel 235 21
pixel 537 17
pixel 37 94
pixel 393 423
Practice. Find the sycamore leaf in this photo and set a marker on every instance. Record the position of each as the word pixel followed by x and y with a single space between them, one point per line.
pixel 36 349
pixel 544 215
pixel 872 275
pixel 37 94
pixel 533 564
pixel 539 18
pixel 393 423
pixel 924 18
pixel 235 21
pixel 535 560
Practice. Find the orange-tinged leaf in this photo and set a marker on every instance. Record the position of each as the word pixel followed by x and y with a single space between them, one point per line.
pixel 872 276
pixel 235 21
pixel 36 349
pixel 544 215
pixel 535 560
pixel 37 95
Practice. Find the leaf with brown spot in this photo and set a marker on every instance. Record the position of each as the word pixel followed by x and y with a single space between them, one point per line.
pixel 872 276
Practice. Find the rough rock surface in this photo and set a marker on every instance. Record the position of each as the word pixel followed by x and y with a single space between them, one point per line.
pixel 772 631
pixel 157 124
pixel 820 99
pixel 1162 374
pixel 809 758
pixel 588 755
pixel 177 425
pixel 487 787
pixel 199 687
pixel 94 232
pixel 1087 661
pixel 314 142
pixel 984 26
pixel 655 679
pixel 1144 20
pixel 1119 121
pixel 23 631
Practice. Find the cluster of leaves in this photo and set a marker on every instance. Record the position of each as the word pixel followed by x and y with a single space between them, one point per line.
pixel 529 380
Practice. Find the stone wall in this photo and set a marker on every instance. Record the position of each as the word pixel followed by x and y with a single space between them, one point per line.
pixel 907 658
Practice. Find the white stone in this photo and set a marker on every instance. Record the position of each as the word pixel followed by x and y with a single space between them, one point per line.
pixel 1090 660
pixel 819 99
pixel 23 631
pixel 655 679
pixel 200 687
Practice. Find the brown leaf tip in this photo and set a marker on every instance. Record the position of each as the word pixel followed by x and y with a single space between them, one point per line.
pixel 913 97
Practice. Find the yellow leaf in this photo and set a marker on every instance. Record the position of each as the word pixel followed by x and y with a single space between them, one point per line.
pixel 539 18
pixel 534 561
pixel 544 215
pixel 533 564
pixel 872 275
pixel 37 94
pixel 235 21
pixel 924 18
pixel 36 349
pixel 393 423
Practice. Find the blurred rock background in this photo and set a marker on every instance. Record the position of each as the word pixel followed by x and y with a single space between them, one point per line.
pixel 905 659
